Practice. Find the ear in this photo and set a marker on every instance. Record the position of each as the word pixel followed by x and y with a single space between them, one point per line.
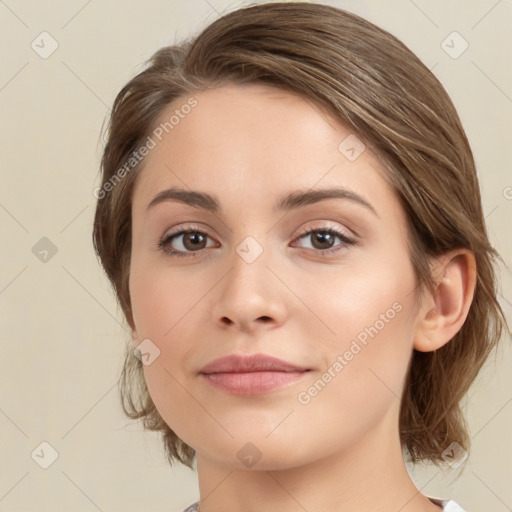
pixel 442 313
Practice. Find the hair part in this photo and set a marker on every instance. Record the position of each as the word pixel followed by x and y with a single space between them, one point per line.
pixel 374 85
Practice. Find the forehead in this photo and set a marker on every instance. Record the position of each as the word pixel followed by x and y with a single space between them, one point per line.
pixel 255 142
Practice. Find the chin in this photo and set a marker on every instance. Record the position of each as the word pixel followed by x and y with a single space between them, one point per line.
pixel 257 453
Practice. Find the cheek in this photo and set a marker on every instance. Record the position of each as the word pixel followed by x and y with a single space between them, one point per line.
pixel 368 310
pixel 361 384
pixel 357 300
pixel 368 358
pixel 159 300
pixel 163 308
pixel 168 391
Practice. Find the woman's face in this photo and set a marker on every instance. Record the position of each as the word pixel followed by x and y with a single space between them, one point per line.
pixel 251 281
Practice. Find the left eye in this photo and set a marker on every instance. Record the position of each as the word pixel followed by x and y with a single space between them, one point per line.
pixel 323 239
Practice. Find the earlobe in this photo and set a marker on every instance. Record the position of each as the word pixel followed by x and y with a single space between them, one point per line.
pixel 135 339
pixel 443 313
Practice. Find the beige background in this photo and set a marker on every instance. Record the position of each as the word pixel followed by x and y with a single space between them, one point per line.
pixel 62 336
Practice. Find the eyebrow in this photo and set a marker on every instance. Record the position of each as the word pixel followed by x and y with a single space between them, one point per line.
pixel 291 201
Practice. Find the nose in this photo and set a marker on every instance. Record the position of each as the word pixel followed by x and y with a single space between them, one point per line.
pixel 249 297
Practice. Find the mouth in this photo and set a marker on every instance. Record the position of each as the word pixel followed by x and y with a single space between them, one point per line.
pixel 251 375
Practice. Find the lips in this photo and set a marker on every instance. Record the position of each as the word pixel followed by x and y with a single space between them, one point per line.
pixel 253 363
pixel 251 375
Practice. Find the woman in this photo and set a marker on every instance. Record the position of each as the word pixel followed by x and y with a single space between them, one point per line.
pixel 291 220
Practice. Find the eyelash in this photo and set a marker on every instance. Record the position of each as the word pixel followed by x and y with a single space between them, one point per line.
pixel 347 241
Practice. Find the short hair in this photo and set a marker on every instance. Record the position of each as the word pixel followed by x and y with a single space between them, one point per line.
pixel 374 85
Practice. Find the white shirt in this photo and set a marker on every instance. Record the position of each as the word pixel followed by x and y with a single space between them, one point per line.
pixel 448 505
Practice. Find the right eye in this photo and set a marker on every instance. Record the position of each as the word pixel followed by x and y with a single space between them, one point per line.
pixel 184 242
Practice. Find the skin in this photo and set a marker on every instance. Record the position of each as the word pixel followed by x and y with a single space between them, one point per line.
pixel 248 146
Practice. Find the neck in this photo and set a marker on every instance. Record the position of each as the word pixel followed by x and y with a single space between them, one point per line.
pixel 370 476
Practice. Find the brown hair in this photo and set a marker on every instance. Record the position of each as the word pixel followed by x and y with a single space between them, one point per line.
pixel 373 84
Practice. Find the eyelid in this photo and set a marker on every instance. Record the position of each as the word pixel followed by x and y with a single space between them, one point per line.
pixel 185 227
pixel 326 226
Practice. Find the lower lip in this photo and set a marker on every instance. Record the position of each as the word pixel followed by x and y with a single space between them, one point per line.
pixel 252 383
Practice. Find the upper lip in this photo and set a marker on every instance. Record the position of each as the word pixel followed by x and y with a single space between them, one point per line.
pixel 235 363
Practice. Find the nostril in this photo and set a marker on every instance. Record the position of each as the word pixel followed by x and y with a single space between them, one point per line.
pixel 227 321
